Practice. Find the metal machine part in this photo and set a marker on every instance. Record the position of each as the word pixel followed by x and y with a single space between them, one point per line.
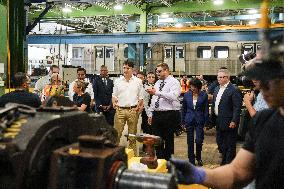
pixel 92 164
pixel 27 144
pixel 149 141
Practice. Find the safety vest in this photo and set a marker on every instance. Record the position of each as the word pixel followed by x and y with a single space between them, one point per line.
pixel 185 85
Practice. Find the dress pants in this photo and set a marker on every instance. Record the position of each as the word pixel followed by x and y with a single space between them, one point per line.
pixel 129 116
pixel 163 125
pixel 109 115
pixel 226 139
pixel 228 145
pixel 146 128
pixel 199 137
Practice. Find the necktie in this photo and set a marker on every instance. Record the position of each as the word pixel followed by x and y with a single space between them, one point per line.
pixel 162 84
pixel 105 81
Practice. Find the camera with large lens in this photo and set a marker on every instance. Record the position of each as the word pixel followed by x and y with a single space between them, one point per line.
pixel 241 79
pixel 245 58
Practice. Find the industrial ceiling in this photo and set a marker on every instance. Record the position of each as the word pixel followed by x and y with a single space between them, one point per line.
pixel 101 16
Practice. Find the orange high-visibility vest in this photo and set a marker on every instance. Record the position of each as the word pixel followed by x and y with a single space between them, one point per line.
pixel 185 85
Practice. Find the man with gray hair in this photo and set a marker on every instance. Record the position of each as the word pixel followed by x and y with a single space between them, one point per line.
pixel 226 108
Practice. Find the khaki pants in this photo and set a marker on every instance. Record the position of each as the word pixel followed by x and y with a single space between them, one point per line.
pixel 129 116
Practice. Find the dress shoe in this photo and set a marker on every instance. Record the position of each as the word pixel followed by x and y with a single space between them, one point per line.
pixel 200 162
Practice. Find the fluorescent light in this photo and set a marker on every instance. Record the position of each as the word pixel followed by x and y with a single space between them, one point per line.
pixel 218 2
pixel 252 22
pixel 66 10
pixel 165 15
pixel 252 11
pixel 178 25
pixel 118 7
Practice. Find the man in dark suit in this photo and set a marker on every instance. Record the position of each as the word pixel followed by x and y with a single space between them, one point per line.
pixel 103 87
pixel 226 107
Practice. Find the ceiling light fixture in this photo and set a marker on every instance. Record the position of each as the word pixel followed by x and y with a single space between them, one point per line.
pixel 218 2
pixel 66 10
pixel 252 22
pixel 118 7
pixel 252 11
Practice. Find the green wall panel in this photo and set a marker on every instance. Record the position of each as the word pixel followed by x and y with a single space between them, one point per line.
pixel 3 34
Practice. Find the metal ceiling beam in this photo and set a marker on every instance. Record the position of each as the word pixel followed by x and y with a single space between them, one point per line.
pixel 237 17
pixel 201 36
pixel 37 20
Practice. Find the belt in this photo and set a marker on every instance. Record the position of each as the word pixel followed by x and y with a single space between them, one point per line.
pixel 128 107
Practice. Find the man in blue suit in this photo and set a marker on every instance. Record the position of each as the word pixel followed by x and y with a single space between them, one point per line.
pixel 103 87
pixel 226 107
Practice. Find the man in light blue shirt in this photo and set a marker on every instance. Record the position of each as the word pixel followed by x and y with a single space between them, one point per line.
pixel 163 112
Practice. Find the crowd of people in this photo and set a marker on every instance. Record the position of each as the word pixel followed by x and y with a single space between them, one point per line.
pixel 166 103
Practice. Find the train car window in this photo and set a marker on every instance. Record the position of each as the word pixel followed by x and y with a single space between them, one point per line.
pixel 99 53
pixel 221 52
pixel 179 52
pixel 77 53
pixel 126 52
pixel 109 52
pixel 204 52
pixel 168 52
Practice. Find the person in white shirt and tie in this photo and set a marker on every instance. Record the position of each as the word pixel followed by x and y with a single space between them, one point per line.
pixel 164 114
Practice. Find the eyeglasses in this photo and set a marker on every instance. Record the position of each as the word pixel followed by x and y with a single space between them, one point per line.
pixel 159 71
pixel 222 77
pixel 151 77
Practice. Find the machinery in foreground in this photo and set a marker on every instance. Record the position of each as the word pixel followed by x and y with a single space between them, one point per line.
pixel 63 148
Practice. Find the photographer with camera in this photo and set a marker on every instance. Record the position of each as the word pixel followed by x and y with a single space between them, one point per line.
pixel 254 100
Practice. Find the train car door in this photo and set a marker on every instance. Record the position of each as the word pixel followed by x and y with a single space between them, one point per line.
pixel 179 62
pixel 99 57
pixel 168 56
pixel 109 58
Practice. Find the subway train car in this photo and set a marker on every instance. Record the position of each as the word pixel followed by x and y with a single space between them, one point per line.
pixel 191 58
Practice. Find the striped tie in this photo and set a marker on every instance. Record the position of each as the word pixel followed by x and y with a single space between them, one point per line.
pixel 162 84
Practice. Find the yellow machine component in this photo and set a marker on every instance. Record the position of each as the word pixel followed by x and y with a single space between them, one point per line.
pixel 129 152
pixel 10 135
pixel 13 130
pixel 73 151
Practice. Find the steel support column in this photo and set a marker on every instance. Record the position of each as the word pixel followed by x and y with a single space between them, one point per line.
pixel 16 34
pixel 142 57
pixel 143 22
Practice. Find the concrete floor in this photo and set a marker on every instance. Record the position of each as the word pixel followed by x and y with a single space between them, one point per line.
pixel 210 155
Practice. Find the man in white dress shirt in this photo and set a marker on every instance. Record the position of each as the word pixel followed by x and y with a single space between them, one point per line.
pixel 127 99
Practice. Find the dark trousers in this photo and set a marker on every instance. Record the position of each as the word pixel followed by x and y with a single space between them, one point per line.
pixel 228 145
pixel 163 125
pixel 146 128
pixel 199 137
pixel 109 115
